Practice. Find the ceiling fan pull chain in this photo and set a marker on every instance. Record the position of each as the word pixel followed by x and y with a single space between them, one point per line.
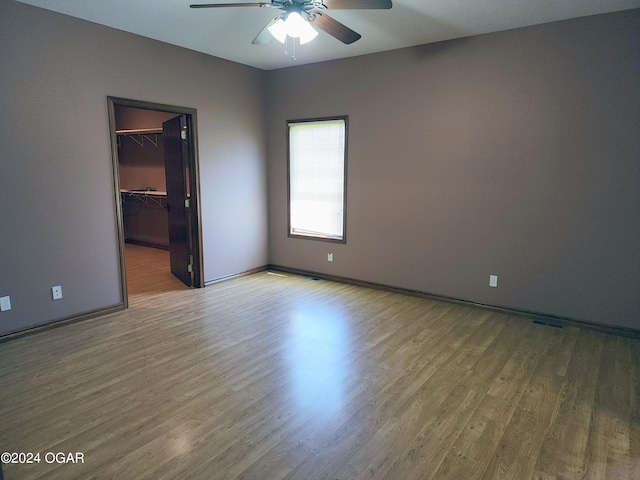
pixel 290 45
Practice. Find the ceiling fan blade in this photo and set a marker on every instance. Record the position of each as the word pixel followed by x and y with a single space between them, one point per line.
pixel 265 35
pixel 215 5
pixel 357 4
pixel 335 28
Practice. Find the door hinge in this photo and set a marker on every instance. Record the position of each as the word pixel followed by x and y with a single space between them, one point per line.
pixel 187 203
pixel 190 268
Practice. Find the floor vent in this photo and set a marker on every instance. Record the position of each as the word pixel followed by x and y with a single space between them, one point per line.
pixel 548 324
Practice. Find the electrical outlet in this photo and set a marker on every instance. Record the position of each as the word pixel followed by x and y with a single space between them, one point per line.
pixel 56 292
pixel 329 257
pixel 493 280
pixel 5 304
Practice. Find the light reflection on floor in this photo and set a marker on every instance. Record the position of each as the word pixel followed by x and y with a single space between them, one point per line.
pixel 319 337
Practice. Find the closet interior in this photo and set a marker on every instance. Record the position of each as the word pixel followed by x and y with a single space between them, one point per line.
pixel 141 167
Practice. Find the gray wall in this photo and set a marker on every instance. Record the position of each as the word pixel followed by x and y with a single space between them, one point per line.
pixel 515 154
pixel 57 210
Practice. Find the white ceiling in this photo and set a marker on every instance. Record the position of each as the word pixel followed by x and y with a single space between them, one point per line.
pixel 228 32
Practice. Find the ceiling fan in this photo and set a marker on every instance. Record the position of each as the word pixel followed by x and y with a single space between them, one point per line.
pixel 297 15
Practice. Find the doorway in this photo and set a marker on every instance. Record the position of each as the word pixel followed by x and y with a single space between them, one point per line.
pixel 156 186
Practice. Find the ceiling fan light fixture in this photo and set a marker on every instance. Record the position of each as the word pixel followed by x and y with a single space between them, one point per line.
pixel 308 34
pixel 279 30
pixel 294 26
pixel 297 27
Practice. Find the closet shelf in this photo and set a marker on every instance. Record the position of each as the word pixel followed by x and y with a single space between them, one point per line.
pixel 139 131
pixel 140 134
pixel 145 196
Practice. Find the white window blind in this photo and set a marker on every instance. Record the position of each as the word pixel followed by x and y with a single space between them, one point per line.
pixel 317 178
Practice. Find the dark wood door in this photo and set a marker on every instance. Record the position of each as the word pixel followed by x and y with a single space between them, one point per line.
pixel 176 152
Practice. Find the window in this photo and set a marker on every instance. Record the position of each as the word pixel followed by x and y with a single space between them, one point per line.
pixel 317 178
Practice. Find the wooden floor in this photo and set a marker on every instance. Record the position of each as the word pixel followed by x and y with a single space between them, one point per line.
pixel 149 273
pixel 275 376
